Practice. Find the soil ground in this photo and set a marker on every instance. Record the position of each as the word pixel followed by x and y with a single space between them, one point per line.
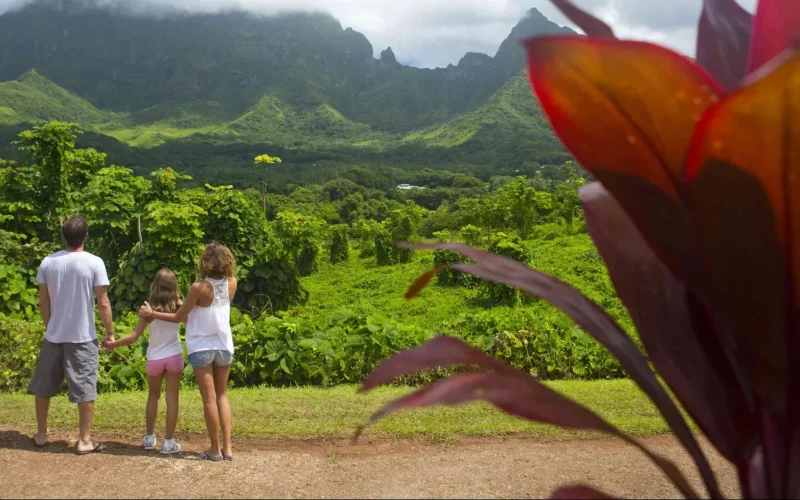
pixel 514 466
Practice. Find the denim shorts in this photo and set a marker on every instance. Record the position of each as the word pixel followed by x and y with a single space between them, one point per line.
pixel 201 359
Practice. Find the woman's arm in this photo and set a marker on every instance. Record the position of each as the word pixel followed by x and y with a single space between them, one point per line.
pixel 179 316
pixel 232 285
pixel 129 339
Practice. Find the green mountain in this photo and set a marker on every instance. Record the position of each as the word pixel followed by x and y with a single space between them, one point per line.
pixel 32 98
pixel 297 82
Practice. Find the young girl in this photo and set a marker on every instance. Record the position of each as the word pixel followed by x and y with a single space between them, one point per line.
pixel 209 342
pixel 164 357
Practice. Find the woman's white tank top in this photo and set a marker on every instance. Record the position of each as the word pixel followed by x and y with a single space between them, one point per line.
pixel 209 328
pixel 164 340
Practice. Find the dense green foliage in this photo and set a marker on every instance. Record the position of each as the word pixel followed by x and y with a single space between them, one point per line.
pixel 57 180
pixel 302 317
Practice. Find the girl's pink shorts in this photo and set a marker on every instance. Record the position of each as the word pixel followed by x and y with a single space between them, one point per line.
pixel 172 364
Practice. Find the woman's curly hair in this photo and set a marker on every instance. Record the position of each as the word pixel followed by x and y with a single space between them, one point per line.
pixel 217 258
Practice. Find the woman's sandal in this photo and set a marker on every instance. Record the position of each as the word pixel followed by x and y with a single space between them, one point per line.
pixel 206 456
pixel 228 458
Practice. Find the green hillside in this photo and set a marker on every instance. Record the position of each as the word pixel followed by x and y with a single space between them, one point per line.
pixel 32 99
pixel 511 112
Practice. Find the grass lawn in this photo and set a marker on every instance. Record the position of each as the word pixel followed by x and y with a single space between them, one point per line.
pixel 308 412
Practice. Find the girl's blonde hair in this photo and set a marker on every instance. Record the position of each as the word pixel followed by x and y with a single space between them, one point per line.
pixel 165 295
pixel 217 258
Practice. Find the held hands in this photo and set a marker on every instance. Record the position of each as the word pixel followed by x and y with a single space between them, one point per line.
pixel 145 311
pixel 108 342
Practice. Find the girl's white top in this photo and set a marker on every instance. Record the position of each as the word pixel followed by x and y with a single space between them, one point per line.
pixel 209 328
pixel 164 340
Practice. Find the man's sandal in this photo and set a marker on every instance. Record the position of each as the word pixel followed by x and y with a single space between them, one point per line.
pixel 98 447
pixel 33 438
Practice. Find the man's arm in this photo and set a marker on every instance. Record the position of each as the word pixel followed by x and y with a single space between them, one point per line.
pixel 104 310
pixel 44 304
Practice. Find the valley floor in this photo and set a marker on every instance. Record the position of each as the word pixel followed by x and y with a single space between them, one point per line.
pixel 511 467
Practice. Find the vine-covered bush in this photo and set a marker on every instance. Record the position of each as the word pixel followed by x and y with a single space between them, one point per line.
pixel 271 283
pixel 339 244
pixel 510 246
pixel 384 250
pixel 451 277
pixel 301 236
pixel 173 238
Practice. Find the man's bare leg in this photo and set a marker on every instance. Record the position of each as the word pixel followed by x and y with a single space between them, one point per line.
pixel 42 409
pixel 85 412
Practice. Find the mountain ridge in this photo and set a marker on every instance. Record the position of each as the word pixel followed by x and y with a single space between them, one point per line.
pixel 296 80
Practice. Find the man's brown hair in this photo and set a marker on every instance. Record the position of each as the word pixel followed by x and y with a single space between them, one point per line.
pixel 75 231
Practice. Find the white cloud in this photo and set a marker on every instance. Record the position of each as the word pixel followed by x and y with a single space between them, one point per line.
pixel 434 33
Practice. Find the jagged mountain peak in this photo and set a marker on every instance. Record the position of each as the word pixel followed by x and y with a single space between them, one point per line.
pixel 388 59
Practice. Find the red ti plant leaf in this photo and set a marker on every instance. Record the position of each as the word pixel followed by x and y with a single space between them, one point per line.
pixel 626 111
pixel 594 321
pixel 746 149
pixel 743 178
pixel 723 41
pixel 510 390
pixel 590 25
pixel 699 373
pixel 775 28
pixel 437 352
pixel 578 491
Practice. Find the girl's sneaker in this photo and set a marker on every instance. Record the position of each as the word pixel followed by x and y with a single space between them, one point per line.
pixel 149 442
pixel 169 446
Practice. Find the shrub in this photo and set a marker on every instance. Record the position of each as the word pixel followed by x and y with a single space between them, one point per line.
pixel 510 246
pixel 384 250
pixel 19 350
pixel 451 277
pixel 339 246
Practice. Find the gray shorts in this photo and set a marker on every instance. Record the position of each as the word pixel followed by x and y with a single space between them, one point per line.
pixel 75 362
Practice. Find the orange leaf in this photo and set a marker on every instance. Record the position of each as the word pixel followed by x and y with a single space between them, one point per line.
pixel 743 180
pixel 626 110
pixel 621 106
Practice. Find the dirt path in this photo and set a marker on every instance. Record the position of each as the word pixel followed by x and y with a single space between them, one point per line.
pixel 497 467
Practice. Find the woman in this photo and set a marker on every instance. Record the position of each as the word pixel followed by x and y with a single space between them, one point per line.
pixel 209 343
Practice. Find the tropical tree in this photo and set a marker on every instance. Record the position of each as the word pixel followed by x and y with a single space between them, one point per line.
pixel 265 160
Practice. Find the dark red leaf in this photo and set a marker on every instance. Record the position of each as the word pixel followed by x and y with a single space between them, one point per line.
pixel 793 489
pixel 423 281
pixel 525 397
pixel 775 28
pixel 590 25
pixel 700 376
pixel 578 491
pixel 626 111
pixel 438 352
pixel 743 176
pixel 594 321
pixel 723 41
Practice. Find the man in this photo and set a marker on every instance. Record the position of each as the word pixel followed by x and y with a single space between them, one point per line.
pixel 68 282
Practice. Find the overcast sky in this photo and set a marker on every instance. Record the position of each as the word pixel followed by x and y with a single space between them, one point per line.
pixel 431 33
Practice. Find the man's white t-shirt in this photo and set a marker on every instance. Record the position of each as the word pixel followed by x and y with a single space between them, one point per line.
pixel 70 278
